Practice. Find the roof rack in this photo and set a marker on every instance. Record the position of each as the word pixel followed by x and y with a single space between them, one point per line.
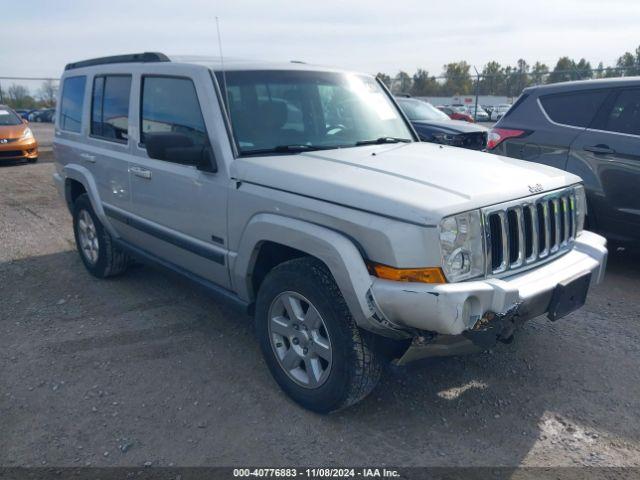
pixel 145 57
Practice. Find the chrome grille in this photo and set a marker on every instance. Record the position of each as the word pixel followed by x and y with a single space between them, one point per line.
pixel 528 231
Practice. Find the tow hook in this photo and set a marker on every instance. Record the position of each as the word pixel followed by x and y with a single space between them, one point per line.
pixel 493 326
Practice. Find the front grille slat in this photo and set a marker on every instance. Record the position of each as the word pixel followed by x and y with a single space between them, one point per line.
pixel 565 220
pixel 535 234
pixel 555 224
pixel 530 231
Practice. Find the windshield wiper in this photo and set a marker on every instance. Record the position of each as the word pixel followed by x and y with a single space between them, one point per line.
pixel 381 140
pixel 296 148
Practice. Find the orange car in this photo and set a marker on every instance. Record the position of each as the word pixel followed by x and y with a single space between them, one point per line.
pixel 16 138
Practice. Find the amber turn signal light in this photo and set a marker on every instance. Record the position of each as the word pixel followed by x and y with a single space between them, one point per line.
pixel 422 275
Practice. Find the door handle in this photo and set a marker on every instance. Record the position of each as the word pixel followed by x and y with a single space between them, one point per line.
pixel 88 157
pixel 600 149
pixel 140 172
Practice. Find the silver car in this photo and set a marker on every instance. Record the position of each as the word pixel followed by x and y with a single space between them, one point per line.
pixel 301 195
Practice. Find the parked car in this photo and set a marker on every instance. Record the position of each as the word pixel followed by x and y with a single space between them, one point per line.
pixel 456 113
pixel 315 208
pixel 590 128
pixel 22 113
pixel 435 126
pixel 16 139
pixel 42 115
pixel 498 112
pixel 479 114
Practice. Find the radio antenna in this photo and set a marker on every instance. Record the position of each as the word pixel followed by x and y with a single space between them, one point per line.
pixel 224 76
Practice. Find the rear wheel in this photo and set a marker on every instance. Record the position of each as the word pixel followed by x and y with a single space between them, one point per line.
pixel 309 340
pixel 32 160
pixel 96 247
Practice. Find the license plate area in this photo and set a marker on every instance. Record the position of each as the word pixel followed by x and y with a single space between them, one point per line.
pixel 569 296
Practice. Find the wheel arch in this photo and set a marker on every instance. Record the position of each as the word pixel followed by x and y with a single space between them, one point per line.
pixel 76 179
pixel 266 234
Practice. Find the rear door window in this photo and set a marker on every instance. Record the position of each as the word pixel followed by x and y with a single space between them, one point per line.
pixel 110 107
pixel 72 102
pixel 624 114
pixel 576 109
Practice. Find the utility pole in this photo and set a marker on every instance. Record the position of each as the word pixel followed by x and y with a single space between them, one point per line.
pixel 1 97
pixel 475 112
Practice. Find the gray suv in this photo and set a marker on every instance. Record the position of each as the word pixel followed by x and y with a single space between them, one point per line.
pixel 590 128
pixel 302 196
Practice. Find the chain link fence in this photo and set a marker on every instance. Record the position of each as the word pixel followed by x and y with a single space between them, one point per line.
pixel 487 90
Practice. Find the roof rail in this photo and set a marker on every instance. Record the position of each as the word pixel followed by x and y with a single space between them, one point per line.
pixel 128 58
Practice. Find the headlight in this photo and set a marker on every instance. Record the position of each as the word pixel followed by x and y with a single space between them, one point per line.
pixel 27 133
pixel 461 246
pixel 444 138
pixel 580 207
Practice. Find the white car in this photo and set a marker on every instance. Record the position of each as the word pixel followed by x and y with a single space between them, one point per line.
pixel 311 204
pixel 499 111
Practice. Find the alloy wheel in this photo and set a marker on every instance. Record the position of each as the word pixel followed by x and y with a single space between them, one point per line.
pixel 300 339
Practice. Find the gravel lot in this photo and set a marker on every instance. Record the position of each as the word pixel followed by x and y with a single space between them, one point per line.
pixel 148 368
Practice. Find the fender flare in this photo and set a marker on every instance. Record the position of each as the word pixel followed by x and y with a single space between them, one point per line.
pixel 82 175
pixel 337 252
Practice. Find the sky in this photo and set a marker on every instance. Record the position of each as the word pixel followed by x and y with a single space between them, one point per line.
pixel 41 36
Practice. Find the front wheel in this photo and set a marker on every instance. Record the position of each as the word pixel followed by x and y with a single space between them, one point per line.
pixel 309 340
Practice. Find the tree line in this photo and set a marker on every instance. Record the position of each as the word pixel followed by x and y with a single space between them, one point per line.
pixel 457 78
pixel 18 96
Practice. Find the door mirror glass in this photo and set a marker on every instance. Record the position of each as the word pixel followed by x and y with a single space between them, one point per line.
pixel 180 148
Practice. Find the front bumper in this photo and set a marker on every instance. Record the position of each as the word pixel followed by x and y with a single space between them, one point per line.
pixel 453 308
pixel 19 150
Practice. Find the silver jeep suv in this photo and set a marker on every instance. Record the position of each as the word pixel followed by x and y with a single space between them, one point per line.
pixel 301 195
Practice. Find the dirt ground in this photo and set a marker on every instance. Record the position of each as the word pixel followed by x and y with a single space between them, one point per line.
pixel 147 368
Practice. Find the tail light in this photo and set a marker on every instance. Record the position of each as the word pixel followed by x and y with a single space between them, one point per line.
pixel 499 135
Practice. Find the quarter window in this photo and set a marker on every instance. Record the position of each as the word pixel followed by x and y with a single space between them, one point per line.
pixel 71 105
pixel 171 105
pixel 624 116
pixel 110 107
pixel 576 109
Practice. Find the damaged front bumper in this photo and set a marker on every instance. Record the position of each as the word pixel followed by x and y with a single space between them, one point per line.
pixel 489 305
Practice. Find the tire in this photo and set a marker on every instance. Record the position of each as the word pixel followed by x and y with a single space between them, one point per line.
pixel 108 260
pixel 353 368
pixel 32 160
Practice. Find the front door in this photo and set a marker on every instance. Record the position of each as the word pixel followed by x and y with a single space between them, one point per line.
pixel 179 211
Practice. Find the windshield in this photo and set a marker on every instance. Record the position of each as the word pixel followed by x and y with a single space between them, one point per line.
pixel 417 110
pixel 7 117
pixel 288 111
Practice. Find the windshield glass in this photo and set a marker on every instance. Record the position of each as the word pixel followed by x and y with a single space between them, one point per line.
pixel 417 110
pixel 306 110
pixel 7 117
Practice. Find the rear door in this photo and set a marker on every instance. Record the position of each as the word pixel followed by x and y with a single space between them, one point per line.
pixel 607 155
pixel 107 149
pixel 179 212
pixel 566 117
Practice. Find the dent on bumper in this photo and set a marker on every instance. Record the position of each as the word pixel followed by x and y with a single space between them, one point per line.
pixel 452 308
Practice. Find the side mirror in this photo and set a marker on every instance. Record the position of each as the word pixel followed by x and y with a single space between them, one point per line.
pixel 179 148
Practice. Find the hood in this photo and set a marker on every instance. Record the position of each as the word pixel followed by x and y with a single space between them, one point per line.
pixel 12 131
pixel 416 182
pixel 448 126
